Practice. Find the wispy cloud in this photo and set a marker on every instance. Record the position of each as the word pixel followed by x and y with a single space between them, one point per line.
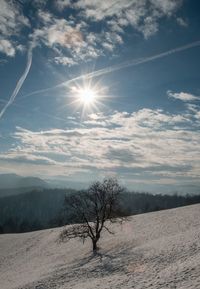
pixel 184 96
pixel 62 4
pixel 70 36
pixel 71 32
pixel 143 15
pixel 75 38
pixel 7 47
pixel 150 143
pixel 66 37
pixel 12 21
pixel 64 60
pixel 182 22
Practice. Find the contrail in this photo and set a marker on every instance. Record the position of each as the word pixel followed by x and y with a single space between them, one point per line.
pixel 132 62
pixel 19 83
pixel 136 62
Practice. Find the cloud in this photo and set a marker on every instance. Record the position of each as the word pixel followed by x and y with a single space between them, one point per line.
pixel 58 32
pixel 74 38
pixel 195 110
pixel 182 22
pixel 67 38
pixel 12 21
pixel 7 47
pixel 45 17
pixel 184 96
pixel 62 4
pixel 65 61
pixel 148 144
pixel 11 18
pixel 167 7
pixel 26 159
pixel 108 46
pixel 149 27
pixel 142 15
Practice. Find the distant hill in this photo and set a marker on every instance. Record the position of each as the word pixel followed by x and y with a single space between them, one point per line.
pixel 63 184
pixel 26 182
pixel 12 184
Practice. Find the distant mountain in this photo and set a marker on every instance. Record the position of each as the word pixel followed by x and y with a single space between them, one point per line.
pixel 32 182
pixel 63 184
pixel 12 184
pixel 8 181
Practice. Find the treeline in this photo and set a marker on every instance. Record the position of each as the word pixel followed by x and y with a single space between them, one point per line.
pixel 138 203
pixel 35 210
pixel 44 209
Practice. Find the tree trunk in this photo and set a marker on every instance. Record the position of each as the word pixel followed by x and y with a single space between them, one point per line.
pixel 94 245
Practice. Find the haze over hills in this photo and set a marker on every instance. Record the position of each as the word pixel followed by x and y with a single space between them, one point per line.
pixel 61 183
pixel 12 184
pixel 14 181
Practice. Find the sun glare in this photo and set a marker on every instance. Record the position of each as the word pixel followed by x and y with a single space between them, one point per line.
pixel 87 95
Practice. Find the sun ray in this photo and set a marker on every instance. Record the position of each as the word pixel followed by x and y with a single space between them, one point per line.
pixel 88 96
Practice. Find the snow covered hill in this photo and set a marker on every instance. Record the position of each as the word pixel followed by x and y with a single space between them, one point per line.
pixel 154 250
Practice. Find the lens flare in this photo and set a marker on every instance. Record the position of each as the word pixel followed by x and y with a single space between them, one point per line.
pixel 88 96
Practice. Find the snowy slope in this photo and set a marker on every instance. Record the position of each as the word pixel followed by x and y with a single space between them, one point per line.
pixel 155 250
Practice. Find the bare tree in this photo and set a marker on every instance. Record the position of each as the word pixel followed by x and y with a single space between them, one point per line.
pixel 92 209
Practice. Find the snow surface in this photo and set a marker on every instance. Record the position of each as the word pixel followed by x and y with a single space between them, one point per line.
pixel 154 250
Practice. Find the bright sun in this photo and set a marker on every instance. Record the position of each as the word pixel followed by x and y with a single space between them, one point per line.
pixel 87 95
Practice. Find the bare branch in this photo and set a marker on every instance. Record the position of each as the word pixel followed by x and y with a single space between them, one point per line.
pixel 92 208
pixel 108 230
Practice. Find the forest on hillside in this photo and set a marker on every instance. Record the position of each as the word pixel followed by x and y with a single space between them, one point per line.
pixel 42 209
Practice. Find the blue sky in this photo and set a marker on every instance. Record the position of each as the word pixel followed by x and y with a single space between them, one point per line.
pixel 139 59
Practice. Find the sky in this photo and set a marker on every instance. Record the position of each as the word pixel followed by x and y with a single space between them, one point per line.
pixel 91 89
